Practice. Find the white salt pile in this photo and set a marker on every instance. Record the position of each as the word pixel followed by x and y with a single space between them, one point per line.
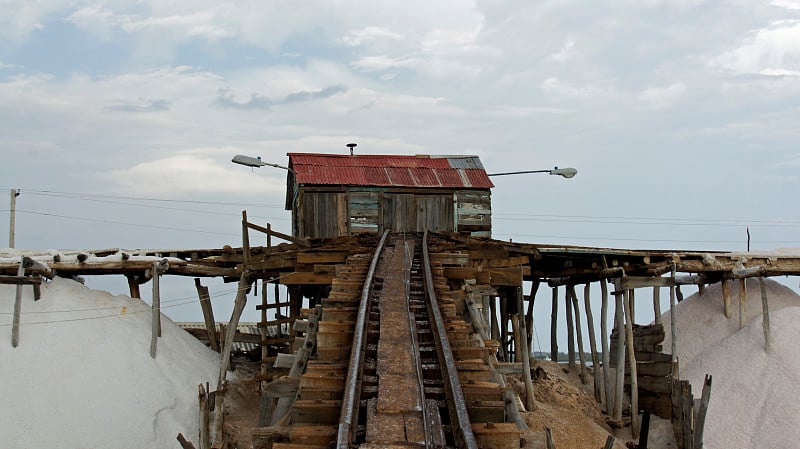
pixel 83 376
pixel 755 401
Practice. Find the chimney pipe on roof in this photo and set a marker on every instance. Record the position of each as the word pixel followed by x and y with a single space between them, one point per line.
pixel 351 146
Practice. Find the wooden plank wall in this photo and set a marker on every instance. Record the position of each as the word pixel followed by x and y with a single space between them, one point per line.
pixel 474 212
pixel 364 212
pixel 324 214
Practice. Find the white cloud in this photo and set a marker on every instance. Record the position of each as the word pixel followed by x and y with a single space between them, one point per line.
pixel 662 97
pixel 383 62
pixel 195 174
pixel 562 54
pixel 355 38
pixel 786 4
pixel 769 51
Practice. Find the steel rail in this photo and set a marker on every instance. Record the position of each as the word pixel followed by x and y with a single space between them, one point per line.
pixel 351 398
pixel 450 372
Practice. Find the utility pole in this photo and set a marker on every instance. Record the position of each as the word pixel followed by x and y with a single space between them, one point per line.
pixel 12 217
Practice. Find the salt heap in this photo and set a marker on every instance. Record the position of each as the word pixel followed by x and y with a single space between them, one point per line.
pixel 755 401
pixel 82 375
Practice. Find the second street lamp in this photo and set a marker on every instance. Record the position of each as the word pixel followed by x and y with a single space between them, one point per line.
pixel 568 172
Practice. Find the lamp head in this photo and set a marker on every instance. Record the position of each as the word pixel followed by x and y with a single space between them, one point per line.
pixel 247 160
pixel 568 172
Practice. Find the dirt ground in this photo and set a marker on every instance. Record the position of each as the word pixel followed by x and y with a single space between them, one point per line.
pixel 576 420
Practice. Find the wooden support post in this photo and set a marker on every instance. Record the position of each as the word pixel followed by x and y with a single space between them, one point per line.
pixel 657 304
pixel 765 316
pixel 632 363
pixel 17 306
pixel 133 287
pixel 525 353
pixel 509 397
pixel 610 442
pixel 619 352
pixel 726 296
pixel 570 330
pixel 208 313
pixel 505 344
pixel 606 354
pixel 12 218
pixel 227 346
pixel 553 327
pixel 742 303
pixel 578 332
pixel 631 295
pixel 156 309
pixel 529 315
pixel 645 430
pixel 263 418
pixel 673 327
pixel 488 310
pixel 700 416
pixel 598 379
pixel 549 435
pixel 185 444
pixel 299 366
pixel 496 335
pixel 203 406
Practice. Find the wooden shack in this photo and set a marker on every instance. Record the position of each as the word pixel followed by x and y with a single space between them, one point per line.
pixel 334 195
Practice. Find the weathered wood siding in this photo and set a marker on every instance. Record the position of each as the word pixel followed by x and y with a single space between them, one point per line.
pixel 474 212
pixel 327 212
pixel 323 214
pixel 364 212
pixel 406 212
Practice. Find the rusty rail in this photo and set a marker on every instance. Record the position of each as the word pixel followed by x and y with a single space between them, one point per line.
pixel 350 400
pixel 450 372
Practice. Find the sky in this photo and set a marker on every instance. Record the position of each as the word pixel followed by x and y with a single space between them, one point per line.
pixel 118 119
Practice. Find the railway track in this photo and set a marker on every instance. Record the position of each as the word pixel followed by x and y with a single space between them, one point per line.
pixel 393 367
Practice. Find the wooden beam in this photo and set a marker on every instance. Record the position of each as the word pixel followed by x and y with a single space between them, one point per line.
pixel 553 324
pixel 592 343
pixel 306 278
pixel 765 316
pixel 742 302
pixel 570 330
pixel 578 332
pixel 726 296
pixel 21 280
pixel 17 308
pixel 657 304
pixel 280 235
pixel 632 361
pixel 208 314
pixel 608 392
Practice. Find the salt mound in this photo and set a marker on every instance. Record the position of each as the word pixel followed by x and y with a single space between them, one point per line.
pixel 701 320
pixel 84 376
pixel 754 397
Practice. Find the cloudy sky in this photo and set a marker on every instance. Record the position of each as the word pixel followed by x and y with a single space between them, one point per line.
pixel 681 116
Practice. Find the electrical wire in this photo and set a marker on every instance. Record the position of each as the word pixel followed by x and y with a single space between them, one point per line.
pixel 117 197
pixel 151 206
pixel 140 225
pixel 637 240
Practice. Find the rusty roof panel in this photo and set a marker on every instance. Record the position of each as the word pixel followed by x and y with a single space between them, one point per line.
pixel 479 178
pixel 401 171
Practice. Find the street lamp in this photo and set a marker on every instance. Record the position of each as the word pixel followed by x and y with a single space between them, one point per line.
pixel 568 172
pixel 257 162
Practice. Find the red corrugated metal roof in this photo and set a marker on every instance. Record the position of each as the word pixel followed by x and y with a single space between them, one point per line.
pixel 399 171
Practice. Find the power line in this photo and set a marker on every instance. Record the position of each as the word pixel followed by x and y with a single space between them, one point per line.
pixel 152 206
pixel 638 240
pixel 600 220
pixel 168 200
pixel 95 220
pixel 666 219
